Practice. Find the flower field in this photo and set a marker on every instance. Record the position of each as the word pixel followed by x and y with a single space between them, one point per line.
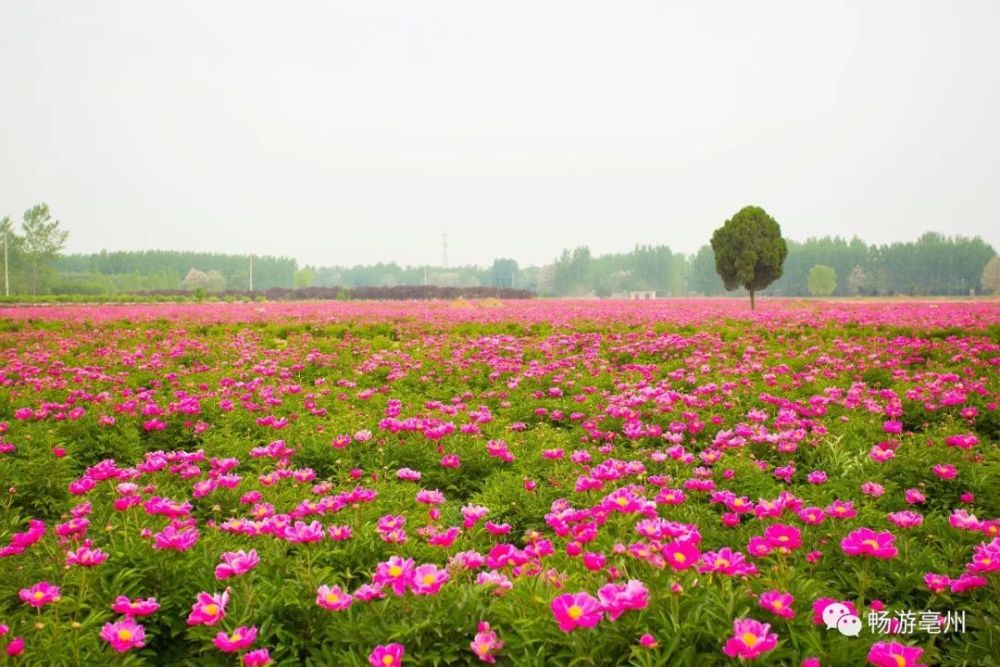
pixel 525 483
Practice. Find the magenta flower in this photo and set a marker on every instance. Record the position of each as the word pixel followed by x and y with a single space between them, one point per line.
pixel 777 603
pixel 137 607
pixel 428 579
pixel 333 598
pixel 177 540
pixel 304 533
pixel 782 537
pixel 238 640
pixel 866 542
pixel 681 554
pixel 85 556
pixel 259 658
pixel 894 654
pixel 617 599
pixel 573 610
pixel 236 563
pixel 124 635
pixel 387 655
pixel 486 644
pixel 40 594
pixel 209 609
pixel 396 572
pixel 750 639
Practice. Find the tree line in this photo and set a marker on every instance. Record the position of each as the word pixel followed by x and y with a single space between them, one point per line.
pixel 934 264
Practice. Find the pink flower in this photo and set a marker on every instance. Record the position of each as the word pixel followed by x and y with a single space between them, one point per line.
pixel 966 582
pixel 486 644
pixel 681 554
pixel 396 572
pixel 258 658
pixel 617 599
pixel 240 638
pixel 648 641
pixel 428 579
pixel 594 561
pixel 40 594
pixel 333 598
pixel 777 603
pixel 304 533
pixel 388 655
pixel 124 635
pixel 945 471
pixel 866 542
pixel 573 610
pixel 750 639
pixel 782 537
pixel 209 609
pixel 236 563
pixel 893 654
pixel 85 556
pixel 937 582
pixel 137 607
pixel 15 647
pixel 178 540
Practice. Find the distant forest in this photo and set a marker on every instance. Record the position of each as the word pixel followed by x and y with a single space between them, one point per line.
pixel 932 265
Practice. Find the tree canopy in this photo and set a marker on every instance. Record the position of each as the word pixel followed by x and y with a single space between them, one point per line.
pixel 749 251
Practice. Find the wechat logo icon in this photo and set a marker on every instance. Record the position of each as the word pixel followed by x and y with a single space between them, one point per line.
pixel 837 616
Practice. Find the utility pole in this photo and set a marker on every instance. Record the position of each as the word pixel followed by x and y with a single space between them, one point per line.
pixel 6 275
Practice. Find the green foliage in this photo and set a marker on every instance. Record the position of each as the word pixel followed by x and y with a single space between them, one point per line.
pixel 749 250
pixel 822 280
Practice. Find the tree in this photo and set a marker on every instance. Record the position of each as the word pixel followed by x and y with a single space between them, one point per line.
pixel 42 242
pixel 503 273
pixel 859 282
pixel 749 251
pixel 195 280
pixel 14 260
pixel 304 277
pixel 990 279
pixel 822 280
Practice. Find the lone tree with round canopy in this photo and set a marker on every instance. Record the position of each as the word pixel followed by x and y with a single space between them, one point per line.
pixel 749 251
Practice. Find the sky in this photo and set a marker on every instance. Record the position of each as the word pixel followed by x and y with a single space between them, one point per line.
pixel 351 132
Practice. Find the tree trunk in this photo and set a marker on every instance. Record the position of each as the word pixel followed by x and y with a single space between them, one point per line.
pixel 753 306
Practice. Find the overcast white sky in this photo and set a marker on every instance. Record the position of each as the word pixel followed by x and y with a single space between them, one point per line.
pixel 356 131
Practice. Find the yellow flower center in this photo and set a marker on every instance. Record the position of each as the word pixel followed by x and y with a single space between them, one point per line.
pixel 428 579
pixel 721 562
pixel 900 660
pixel 484 648
pixel 986 561
pixel 871 543
pixel 211 609
pixel 777 604
pixel 574 612
pixel 332 597
pixel 38 595
pixel 387 660
pixel 623 501
pixel 235 637
pixel 679 557
pixel 395 571
pixel 124 635
pixel 749 638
